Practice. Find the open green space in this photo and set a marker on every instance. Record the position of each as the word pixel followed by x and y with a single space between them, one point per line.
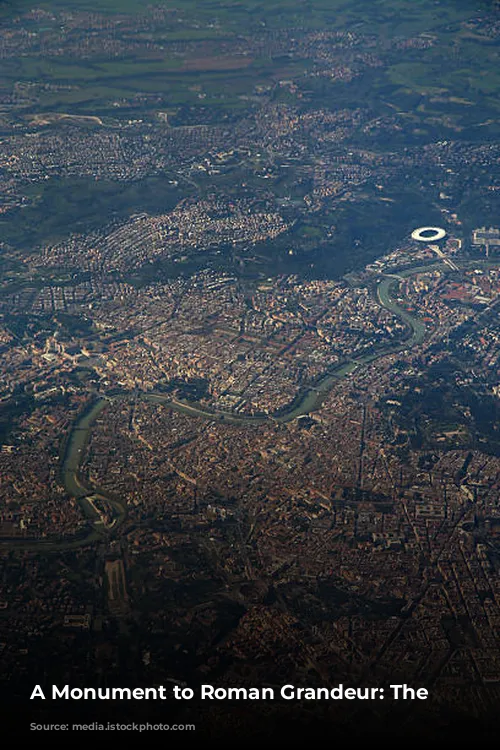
pixel 82 203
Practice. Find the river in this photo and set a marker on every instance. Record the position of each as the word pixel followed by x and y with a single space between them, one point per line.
pixel 307 402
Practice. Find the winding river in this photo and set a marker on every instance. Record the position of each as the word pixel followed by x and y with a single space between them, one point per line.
pixel 310 400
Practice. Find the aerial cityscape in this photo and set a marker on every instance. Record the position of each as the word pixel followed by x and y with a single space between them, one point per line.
pixel 250 363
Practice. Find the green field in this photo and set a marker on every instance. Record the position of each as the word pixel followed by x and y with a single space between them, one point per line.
pixel 100 80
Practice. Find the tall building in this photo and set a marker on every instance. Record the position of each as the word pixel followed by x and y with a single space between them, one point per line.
pixel 486 238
